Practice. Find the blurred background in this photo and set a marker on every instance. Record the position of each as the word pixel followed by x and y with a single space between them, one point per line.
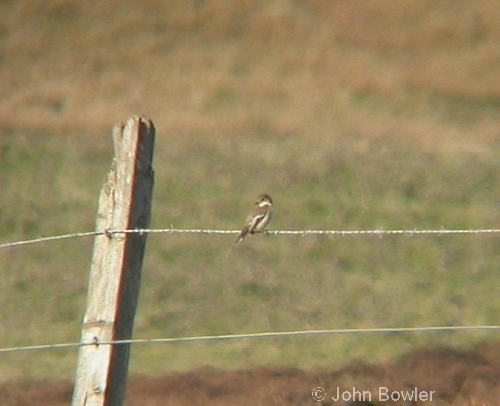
pixel 352 115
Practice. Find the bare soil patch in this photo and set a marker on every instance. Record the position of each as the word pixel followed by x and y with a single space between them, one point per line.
pixel 455 377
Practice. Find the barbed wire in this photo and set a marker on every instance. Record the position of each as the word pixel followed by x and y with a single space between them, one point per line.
pixel 302 233
pixel 277 334
pixel 52 238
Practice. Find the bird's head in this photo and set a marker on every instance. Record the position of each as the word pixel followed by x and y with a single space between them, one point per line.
pixel 264 200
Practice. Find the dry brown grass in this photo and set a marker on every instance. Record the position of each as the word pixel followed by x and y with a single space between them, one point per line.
pixel 281 68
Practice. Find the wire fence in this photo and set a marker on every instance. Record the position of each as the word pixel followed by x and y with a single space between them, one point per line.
pixel 262 335
pixel 302 233
pixel 276 334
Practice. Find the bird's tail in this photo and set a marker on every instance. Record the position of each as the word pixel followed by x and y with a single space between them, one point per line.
pixel 242 235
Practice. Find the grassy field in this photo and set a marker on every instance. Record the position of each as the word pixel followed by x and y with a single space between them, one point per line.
pixel 351 114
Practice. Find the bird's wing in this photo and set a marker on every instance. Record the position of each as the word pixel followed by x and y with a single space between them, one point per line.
pixel 255 218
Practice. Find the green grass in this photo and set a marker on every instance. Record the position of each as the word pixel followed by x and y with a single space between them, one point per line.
pixel 348 127
pixel 204 285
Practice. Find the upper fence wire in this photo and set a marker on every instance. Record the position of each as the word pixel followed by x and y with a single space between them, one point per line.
pixel 342 233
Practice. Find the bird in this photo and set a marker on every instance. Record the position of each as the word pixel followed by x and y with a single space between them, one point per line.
pixel 259 218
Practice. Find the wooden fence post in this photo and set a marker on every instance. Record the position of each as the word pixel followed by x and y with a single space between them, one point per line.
pixel 124 203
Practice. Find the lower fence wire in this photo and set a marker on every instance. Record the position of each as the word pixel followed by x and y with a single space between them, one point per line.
pixel 277 334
